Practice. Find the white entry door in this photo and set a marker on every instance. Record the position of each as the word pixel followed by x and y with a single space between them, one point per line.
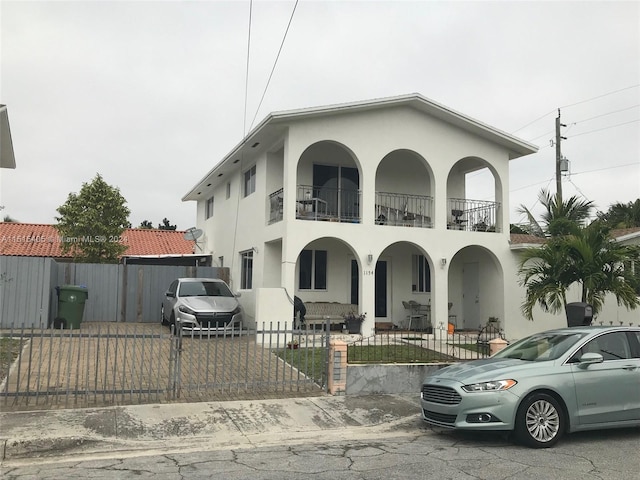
pixel 470 295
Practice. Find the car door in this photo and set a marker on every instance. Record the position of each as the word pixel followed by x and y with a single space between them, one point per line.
pixel 608 391
pixel 169 300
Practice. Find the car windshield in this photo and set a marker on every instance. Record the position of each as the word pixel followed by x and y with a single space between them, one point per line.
pixel 542 346
pixel 204 289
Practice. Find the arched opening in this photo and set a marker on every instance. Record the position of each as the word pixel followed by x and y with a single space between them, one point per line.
pixel 328 184
pixel 474 194
pixel 404 190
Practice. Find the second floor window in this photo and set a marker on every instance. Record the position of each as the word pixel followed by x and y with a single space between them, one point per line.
pixel 208 210
pixel 250 181
pixel 420 274
pixel 246 270
pixel 313 270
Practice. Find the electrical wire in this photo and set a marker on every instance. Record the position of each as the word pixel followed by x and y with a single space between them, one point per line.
pixel 607 168
pixel 246 79
pixel 601 96
pixel 274 63
pixel 577 103
pixel 604 128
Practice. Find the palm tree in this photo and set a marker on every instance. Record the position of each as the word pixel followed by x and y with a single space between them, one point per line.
pixel 622 215
pixel 560 217
pixel 589 257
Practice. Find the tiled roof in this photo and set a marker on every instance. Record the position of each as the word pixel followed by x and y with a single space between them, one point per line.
pixel 524 239
pixel 39 240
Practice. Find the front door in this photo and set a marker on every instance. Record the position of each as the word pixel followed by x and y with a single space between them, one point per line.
pixel 355 283
pixel 470 296
pixel 381 290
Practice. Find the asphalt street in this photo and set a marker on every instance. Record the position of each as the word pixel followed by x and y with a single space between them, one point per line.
pixel 372 437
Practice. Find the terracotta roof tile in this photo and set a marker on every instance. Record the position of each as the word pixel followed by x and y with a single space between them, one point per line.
pixel 521 238
pixel 40 240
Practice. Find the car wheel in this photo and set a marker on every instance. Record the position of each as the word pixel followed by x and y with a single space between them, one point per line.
pixel 540 421
pixel 164 320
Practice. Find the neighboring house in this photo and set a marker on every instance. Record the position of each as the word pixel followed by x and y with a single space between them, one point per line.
pixel 366 203
pixel 611 313
pixel 143 245
pixel 7 158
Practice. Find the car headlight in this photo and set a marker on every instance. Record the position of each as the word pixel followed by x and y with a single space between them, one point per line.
pixel 492 386
pixel 185 309
pixel 236 311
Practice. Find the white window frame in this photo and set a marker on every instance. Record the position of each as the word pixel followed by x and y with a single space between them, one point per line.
pixel 208 208
pixel 246 270
pixel 249 181
pixel 420 285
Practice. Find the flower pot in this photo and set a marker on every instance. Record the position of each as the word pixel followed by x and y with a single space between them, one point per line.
pixel 292 346
pixel 354 326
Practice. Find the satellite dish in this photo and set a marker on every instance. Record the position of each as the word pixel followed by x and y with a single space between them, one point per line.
pixel 192 233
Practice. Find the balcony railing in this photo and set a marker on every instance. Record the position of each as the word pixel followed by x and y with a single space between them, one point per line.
pixel 473 215
pixel 405 210
pixel 276 206
pixel 331 204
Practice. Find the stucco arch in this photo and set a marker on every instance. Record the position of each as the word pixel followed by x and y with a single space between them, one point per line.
pixel 404 189
pixel 326 152
pixel 475 195
pixel 476 286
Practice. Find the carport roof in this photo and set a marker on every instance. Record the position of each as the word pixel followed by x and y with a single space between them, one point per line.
pixel 42 240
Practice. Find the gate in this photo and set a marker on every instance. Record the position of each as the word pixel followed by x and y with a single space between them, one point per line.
pixel 105 364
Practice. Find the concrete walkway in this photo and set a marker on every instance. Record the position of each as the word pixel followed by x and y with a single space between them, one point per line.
pixel 213 425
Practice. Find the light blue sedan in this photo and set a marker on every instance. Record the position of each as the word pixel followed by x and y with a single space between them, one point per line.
pixel 545 385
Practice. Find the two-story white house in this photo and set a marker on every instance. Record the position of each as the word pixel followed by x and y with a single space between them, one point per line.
pixel 365 203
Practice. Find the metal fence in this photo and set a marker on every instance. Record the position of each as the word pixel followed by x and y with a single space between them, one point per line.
pixel 418 347
pixel 104 364
pixel 122 292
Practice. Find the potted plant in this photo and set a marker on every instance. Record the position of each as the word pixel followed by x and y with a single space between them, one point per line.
pixel 353 321
pixel 293 344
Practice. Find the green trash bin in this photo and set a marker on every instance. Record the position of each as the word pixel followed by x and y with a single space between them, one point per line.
pixel 71 300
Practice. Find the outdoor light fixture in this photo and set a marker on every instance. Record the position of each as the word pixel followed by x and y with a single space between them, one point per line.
pixel 443 262
pixel 369 259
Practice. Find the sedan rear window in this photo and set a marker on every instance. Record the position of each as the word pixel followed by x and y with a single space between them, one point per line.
pixel 204 289
pixel 541 347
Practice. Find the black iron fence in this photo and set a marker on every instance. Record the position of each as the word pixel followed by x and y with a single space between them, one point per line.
pixel 104 364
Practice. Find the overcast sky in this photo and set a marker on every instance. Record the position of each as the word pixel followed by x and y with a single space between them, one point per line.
pixel 151 95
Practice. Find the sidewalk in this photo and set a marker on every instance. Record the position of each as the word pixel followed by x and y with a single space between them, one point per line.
pixel 210 425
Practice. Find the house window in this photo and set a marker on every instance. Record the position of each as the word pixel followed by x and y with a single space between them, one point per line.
pixel 228 190
pixel 208 211
pixel 313 270
pixel 246 270
pixel 250 181
pixel 420 274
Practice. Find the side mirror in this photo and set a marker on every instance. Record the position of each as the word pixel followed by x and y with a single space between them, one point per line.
pixel 237 294
pixel 590 358
pixel 170 295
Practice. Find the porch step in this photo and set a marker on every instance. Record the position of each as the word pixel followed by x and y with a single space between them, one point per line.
pixel 384 326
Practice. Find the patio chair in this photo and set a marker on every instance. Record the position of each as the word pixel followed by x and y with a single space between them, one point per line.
pixel 412 314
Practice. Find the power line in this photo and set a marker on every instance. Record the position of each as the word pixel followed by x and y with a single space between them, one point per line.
pixel 606 168
pixel 601 96
pixel 577 103
pixel 246 79
pixel 605 114
pixel 275 63
pixel 605 128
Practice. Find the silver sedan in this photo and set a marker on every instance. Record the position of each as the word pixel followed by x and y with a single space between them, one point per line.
pixel 196 305
pixel 545 385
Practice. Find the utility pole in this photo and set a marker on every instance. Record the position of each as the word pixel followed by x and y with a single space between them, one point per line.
pixel 559 138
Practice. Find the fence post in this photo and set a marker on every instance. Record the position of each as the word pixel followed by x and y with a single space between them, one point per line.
pixel 337 371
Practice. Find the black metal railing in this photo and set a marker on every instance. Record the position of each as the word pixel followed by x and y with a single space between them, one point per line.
pixel 473 215
pixel 403 209
pixel 329 204
pixel 276 206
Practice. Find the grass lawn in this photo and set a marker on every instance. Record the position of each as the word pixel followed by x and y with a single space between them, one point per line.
pixel 311 361
pixel 9 351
